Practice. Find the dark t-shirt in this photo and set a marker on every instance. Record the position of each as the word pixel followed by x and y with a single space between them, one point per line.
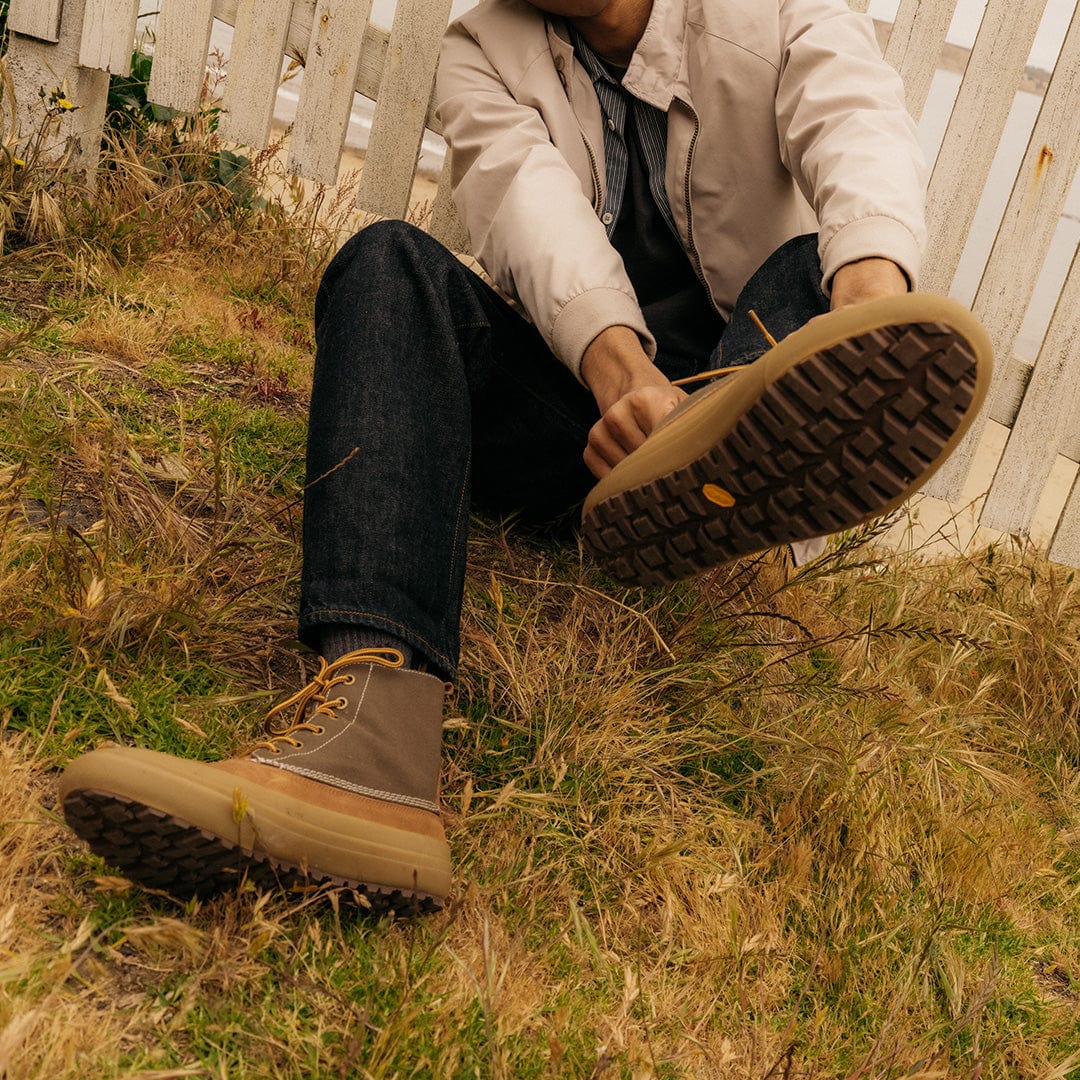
pixel 673 299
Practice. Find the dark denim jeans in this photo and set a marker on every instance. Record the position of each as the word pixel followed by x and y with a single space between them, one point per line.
pixel 432 395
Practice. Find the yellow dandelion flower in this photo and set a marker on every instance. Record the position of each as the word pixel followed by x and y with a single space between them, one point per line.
pixel 18 161
pixel 64 104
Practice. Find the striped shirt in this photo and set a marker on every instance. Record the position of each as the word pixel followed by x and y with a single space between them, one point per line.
pixel 651 125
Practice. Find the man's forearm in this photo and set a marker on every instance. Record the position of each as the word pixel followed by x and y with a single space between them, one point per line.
pixel 867 279
pixel 615 363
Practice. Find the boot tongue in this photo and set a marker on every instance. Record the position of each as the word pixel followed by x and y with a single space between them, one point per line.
pixel 299 708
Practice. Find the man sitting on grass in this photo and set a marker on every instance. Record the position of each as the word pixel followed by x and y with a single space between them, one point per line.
pixel 663 187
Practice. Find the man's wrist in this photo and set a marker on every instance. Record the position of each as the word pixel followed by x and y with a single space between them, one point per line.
pixel 867 279
pixel 615 363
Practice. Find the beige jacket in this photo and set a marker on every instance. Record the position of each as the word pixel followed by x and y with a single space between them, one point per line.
pixel 771 107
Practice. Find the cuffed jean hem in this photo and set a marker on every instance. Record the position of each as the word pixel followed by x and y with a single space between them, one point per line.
pixel 784 294
pixel 311 621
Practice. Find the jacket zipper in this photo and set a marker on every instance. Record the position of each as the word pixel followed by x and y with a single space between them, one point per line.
pixel 598 191
pixel 694 256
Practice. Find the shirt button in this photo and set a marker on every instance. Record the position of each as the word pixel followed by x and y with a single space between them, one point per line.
pixel 611 123
pixel 608 218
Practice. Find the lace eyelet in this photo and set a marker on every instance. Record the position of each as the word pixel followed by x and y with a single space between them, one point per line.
pixel 320 730
pixel 349 679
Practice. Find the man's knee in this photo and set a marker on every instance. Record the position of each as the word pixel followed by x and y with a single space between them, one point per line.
pixel 376 257
pixel 388 244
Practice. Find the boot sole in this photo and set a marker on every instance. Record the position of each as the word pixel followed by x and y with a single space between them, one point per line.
pixel 839 435
pixel 195 858
pixel 163 852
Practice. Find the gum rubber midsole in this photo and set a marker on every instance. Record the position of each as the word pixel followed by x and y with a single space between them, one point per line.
pixel 284 828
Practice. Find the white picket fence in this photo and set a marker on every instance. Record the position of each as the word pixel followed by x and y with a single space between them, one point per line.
pixel 344 53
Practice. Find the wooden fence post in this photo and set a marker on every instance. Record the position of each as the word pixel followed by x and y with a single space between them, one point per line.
pixel 1023 241
pixel 401 111
pixel 39 64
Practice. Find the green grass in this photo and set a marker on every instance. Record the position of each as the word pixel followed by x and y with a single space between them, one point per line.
pixel 48 677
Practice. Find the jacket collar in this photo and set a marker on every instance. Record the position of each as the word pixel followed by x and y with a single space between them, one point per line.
pixel 656 65
pixel 575 79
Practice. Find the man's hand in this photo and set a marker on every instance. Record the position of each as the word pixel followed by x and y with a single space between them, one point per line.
pixel 867 279
pixel 633 396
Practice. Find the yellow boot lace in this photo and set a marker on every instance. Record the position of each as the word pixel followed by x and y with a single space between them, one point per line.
pixel 317 693
pixel 701 376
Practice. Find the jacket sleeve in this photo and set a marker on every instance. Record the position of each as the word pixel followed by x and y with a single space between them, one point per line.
pixel 848 139
pixel 530 223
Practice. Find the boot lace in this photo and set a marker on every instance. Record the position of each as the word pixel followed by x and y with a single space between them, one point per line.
pixel 315 699
pixel 701 376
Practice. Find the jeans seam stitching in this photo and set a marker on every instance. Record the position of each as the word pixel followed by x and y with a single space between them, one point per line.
pixel 456 553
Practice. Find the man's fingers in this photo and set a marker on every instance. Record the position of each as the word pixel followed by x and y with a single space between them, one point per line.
pixel 651 406
pixel 626 425
pixel 595 464
pixel 603 450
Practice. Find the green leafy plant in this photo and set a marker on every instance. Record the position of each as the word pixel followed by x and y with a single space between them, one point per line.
pixel 178 146
pixel 129 109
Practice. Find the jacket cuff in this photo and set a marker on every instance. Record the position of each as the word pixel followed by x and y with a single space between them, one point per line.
pixel 591 313
pixel 872 238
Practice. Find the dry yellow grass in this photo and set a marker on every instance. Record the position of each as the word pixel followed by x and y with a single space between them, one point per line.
pixel 761 826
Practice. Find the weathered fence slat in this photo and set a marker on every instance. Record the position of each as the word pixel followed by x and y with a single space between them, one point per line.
pixel 333 61
pixel 1023 241
pixel 446 226
pixel 38 19
pixel 978 119
pixel 376 39
pixel 372 59
pixel 181 43
pixel 1036 438
pixel 247 105
pixel 1065 547
pixel 1005 407
pixel 915 41
pixel 404 100
pixel 300 19
pixel 108 35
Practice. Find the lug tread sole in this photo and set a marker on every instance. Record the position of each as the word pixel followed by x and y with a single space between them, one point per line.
pixel 832 442
pixel 165 852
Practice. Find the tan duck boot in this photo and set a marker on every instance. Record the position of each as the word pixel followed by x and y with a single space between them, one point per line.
pixel 344 792
pixel 837 424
